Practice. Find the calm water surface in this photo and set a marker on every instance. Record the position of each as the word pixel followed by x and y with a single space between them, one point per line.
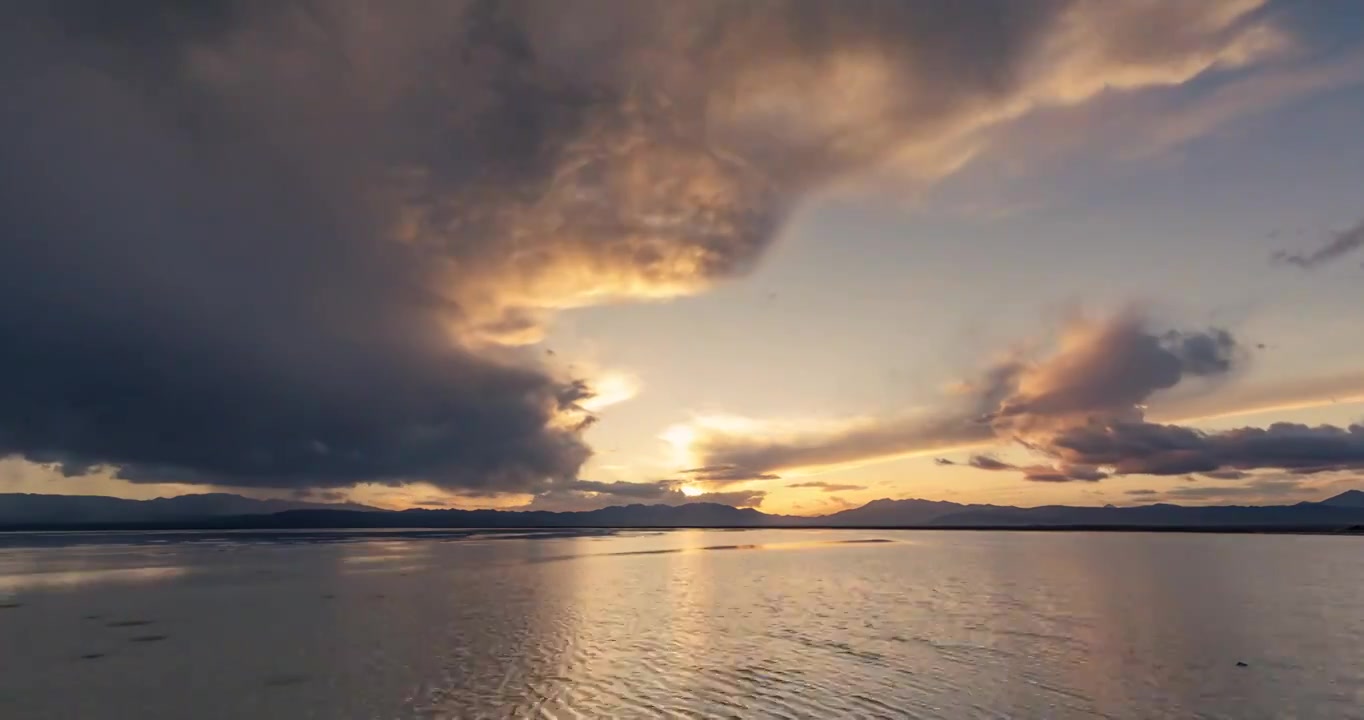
pixel 704 624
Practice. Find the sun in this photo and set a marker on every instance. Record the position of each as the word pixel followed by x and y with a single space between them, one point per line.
pixel 692 490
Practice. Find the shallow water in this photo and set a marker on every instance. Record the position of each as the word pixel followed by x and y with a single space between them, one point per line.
pixel 743 624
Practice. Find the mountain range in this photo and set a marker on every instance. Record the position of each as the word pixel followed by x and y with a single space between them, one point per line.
pixel 34 509
pixel 225 511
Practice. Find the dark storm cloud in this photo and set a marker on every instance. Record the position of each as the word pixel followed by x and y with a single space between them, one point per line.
pixel 1154 449
pixel 1133 447
pixel 1205 353
pixel 290 243
pixel 1340 245
pixel 193 290
pixel 250 243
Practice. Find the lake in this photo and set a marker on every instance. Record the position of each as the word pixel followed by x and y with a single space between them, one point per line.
pixel 687 624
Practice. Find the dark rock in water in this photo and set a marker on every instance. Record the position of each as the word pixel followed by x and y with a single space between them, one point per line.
pixel 93 617
pixel 148 638
pixel 328 596
pixel 10 606
pixel 92 656
pixel 1241 664
pixel 129 623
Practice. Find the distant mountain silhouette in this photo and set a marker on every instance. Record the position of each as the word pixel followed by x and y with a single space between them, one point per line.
pixel 220 511
pixel 24 508
pixel 892 513
pixel 1342 510
pixel 1349 498
pixel 1161 515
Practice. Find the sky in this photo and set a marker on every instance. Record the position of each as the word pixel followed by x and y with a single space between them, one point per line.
pixel 787 255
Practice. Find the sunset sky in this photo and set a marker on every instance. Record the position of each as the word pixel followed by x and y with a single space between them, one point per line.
pixel 797 256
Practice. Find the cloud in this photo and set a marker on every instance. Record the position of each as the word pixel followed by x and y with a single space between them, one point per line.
pixel 1241 97
pixel 726 473
pixel 591 495
pixel 1137 126
pixel 1141 493
pixel 1084 408
pixel 1040 473
pixel 646 490
pixel 827 487
pixel 767 451
pixel 330 496
pixel 733 498
pixel 1101 368
pixel 1280 396
pixel 1109 368
pixel 1066 473
pixel 1341 244
pixel 296 244
pixel 1254 490
pixel 609 388
pixel 1080 409
pixel 1154 449
pixel 985 462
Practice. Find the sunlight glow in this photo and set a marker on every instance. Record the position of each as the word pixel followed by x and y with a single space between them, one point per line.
pixel 611 388
pixel 680 438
